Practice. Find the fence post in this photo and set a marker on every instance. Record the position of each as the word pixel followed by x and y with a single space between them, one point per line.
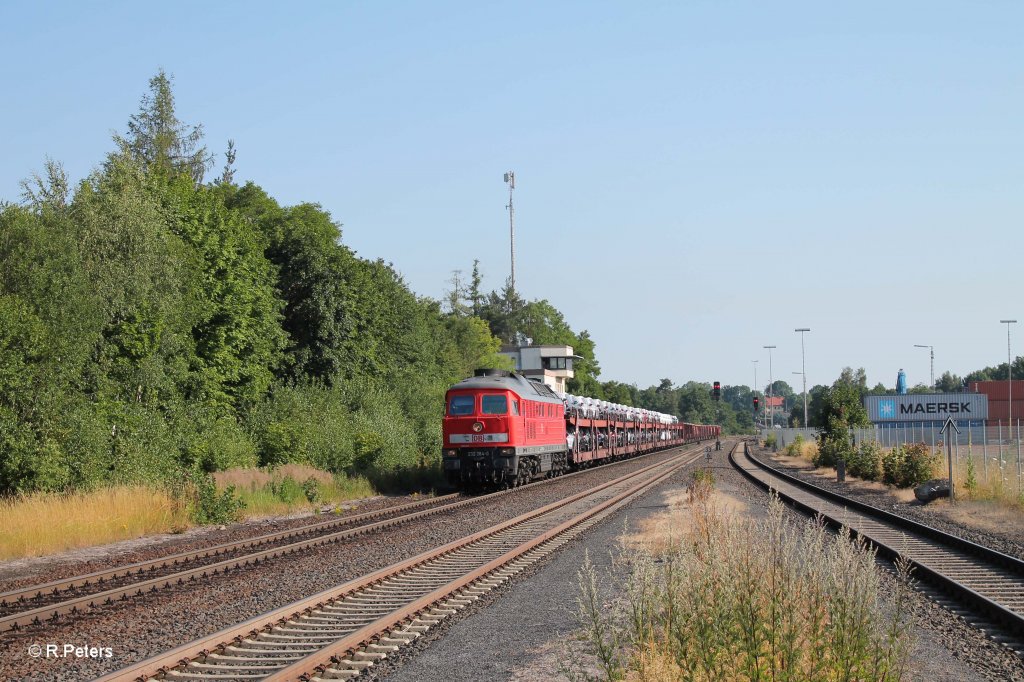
pixel 984 446
pixel 1000 451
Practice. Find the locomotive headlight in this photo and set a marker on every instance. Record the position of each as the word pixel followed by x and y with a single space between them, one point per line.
pixel 478 427
pixel 451 453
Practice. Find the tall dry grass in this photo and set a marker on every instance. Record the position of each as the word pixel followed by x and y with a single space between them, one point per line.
pixel 740 599
pixel 974 478
pixel 288 489
pixel 45 523
pixel 804 449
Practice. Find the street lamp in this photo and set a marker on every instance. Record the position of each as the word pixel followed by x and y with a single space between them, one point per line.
pixel 803 367
pixel 931 349
pixel 771 381
pixel 755 388
pixel 1009 368
pixel 805 400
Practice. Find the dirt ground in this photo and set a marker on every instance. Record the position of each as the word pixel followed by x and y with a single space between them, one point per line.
pixel 982 515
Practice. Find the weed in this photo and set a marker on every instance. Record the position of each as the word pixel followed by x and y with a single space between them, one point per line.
pixel 742 599
pixel 44 523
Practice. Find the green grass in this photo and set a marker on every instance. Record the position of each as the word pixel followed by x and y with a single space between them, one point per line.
pixel 291 488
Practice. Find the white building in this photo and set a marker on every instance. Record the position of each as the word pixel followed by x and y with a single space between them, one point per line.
pixel 550 364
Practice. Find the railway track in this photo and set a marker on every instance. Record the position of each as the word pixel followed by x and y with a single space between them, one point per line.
pixel 338 633
pixel 987 582
pixel 39 604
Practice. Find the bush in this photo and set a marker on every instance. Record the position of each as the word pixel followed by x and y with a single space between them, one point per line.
pixel 865 461
pixel 832 449
pixel 796 447
pixel 771 441
pixel 742 599
pixel 908 466
pixel 207 505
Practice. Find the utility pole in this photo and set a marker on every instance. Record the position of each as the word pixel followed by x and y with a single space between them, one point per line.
pixel 931 350
pixel 803 368
pixel 510 179
pixel 771 391
pixel 1009 370
pixel 755 390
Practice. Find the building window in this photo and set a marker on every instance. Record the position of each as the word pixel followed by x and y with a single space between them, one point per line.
pixel 555 363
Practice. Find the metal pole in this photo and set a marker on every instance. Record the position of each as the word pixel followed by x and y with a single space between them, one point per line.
pixel 1009 371
pixel 1000 449
pixel 1018 455
pixel 949 458
pixel 771 380
pixel 755 390
pixel 984 446
pixel 803 368
pixel 510 178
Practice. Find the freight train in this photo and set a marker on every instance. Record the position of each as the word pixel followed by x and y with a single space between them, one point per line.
pixel 503 430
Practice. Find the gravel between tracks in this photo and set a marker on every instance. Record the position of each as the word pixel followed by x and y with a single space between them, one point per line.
pixel 155 623
pixel 1008 540
pixel 522 631
pixel 15 573
pixel 517 633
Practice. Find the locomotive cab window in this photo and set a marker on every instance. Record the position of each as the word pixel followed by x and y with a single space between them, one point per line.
pixel 515 407
pixel 494 404
pixel 460 405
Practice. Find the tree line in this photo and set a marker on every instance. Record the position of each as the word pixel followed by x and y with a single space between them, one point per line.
pixel 156 324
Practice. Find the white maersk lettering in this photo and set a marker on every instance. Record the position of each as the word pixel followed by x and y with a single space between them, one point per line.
pixel 936 408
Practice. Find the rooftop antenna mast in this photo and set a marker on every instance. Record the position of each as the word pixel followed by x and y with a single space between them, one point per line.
pixel 510 179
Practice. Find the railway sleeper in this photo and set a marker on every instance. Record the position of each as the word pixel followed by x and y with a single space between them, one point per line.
pixel 253 645
pixel 204 677
pixel 274 659
pixel 248 667
pixel 336 674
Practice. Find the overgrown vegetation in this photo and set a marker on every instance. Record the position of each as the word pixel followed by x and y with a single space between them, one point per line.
pixel 741 599
pixel 290 488
pixel 156 327
pixel 908 465
pixel 44 523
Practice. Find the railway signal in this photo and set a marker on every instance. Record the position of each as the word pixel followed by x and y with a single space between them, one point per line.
pixel 757 404
pixel 716 392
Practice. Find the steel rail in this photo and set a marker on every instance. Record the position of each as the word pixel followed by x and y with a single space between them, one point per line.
pixel 214 645
pixel 989 581
pixel 83 602
pixel 21 594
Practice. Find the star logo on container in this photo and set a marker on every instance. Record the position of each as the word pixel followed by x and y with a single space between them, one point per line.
pixel 887 408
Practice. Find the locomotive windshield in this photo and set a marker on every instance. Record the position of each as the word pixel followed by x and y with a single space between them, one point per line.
pixel 460 405
pixel 494 404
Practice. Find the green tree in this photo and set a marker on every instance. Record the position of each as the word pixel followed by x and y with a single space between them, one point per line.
pixel 158 141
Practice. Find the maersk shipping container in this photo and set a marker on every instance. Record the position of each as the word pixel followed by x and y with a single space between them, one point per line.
pixel 926 407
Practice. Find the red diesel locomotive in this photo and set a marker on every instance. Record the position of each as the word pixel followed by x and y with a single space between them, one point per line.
pixel 501 429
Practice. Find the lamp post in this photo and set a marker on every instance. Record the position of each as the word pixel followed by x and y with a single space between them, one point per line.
pixel 931 350
pixel 1009 369
pixel 510 180
pixel 771 380
pixel 755 387
pixel 803 368
pixel 805 401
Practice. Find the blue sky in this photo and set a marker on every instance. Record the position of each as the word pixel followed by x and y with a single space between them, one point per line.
pixel 694 179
